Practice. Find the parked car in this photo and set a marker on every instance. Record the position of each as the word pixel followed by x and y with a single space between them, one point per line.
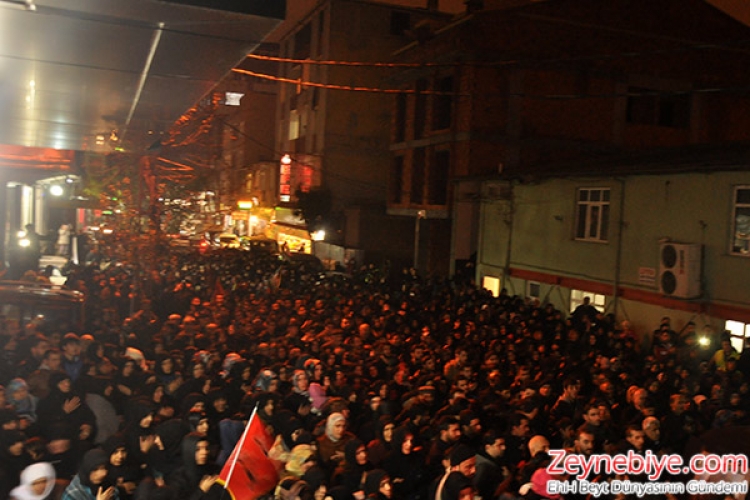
pixel 24 302
pixel 229 240
pixel 261 246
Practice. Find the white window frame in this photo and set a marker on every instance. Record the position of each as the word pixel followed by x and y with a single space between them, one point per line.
pixel 597 300
pixel 740 237
pixel 596 213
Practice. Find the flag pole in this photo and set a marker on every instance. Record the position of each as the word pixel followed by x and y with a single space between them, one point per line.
pixel 238 447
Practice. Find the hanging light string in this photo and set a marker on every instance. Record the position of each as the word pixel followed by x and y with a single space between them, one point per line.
pixel 352 88
pixel 318 62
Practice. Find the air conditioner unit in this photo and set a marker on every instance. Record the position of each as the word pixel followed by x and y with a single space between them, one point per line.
pixel 680 270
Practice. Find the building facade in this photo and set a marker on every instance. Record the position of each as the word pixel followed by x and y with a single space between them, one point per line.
pixel 337 138
pixel 522 88
pixel 624 158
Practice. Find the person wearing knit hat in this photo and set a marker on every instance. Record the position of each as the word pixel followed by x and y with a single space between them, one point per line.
pixel 88 484
pixel 37 482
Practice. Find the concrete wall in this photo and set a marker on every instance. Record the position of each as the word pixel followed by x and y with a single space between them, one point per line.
pixel 531 237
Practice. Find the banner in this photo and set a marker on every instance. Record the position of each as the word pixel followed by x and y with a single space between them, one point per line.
pixel 248 472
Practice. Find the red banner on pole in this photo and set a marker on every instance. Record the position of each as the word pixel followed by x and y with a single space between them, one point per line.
pixel 249 473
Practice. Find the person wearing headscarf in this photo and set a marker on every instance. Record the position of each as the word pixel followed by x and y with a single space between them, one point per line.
pixel 120 472
pixel 37 483
pixel 196 478
pixel 377 485
pixel 13 458
pixel 90 482
pixel 63 405
pixel 164 369
pixel 18 396
pixel 139 432
pixel 350 475
pixel 406 466
pixel 380 447
pixel 168 457
pixel 331 444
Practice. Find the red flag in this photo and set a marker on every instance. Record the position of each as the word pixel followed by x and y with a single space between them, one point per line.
pixel 249 472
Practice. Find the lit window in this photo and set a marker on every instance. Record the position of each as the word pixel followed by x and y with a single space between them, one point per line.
pixel 233 98
pixel 596 300
pixel 738 332
pixel 741 221
pixel 294 125
pixel 592 214
pixel 492 284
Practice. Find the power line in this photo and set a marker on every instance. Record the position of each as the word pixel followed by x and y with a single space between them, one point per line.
pixel 350 88
pixel 412 91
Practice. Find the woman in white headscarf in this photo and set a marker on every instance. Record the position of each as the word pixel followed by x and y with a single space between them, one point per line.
pixel 331 444
pixel 37 482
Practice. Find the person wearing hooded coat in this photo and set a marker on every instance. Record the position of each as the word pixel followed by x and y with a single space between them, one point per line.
pixel 143 446
pixel 37 483
pixel 63 405
pixel 90 482
pixel 168 458
pixel 196 478
pixel 380 447
pixel 13 458
pixel 351 474
pixel 120 472
pixel 405 465
pixel 377 485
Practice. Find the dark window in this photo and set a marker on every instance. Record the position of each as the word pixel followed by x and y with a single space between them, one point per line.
pixel 302 42
pixel 443 104
pixel 417 176
pixel 397 180
pixel 439 178
pixel 399 22
pixel 420 108
pixel 661 108
pixel 400 118
pixel 321 30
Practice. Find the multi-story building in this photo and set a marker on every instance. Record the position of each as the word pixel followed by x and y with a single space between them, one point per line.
pixel 594 149
pixel 337 140
pixel 515 87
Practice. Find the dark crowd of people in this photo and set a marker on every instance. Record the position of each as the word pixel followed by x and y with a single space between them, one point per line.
pixel 372 387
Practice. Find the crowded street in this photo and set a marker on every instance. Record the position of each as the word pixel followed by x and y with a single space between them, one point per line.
pixel 367 374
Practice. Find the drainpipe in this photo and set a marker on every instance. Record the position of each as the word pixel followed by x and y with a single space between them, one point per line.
pixel 509 222
pixel 618 256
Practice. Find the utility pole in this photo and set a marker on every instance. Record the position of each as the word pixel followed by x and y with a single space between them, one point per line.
pixel 421 214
